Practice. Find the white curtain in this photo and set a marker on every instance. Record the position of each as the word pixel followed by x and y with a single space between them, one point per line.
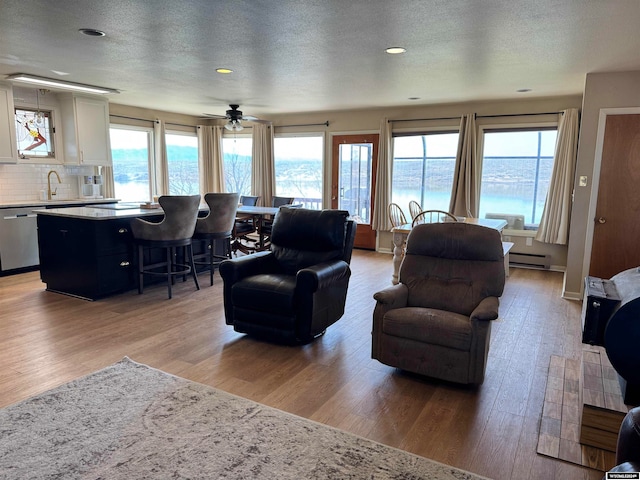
pixel 160 151
pixel 466 180
pixel 554 224
pixel 263 177
pixel 108 184
pixel 384 171
pixel 210 159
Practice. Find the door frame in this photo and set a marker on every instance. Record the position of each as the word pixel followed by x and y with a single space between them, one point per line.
pixel 334 174
pixel 595 181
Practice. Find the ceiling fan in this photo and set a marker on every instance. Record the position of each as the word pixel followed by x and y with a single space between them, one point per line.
pixel 234 118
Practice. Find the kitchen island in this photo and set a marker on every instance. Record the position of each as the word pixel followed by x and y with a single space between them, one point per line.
pixel 18 231
pixel 88 252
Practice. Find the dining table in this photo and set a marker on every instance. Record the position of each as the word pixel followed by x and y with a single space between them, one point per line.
pixel 401 232
pixel 258 214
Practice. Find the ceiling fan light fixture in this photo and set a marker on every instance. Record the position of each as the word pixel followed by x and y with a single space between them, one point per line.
pixel 234 126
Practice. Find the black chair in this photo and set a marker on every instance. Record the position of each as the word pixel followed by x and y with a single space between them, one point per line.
pixel 292 293
pixel 628 446
pixel 267 222
pixel 175 230
pixel 244 226
pixel 216 226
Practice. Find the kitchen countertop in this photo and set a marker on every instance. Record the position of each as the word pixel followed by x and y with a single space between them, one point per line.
pixel 90 213
pixel 103 213
pixel 45 203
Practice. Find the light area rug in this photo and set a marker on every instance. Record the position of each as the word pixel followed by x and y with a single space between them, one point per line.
pixel 130 421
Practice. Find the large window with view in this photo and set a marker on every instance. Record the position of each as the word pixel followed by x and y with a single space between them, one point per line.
pixel 298 168
pixel 131 155
pixel 237 163
pixel 516 171
pixel 423 168
pixel 182 162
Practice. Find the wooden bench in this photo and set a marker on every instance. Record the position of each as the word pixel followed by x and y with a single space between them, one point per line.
pixel 602 406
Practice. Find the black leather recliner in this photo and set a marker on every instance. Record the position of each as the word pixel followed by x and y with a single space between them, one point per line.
pixel 292 293
pixel 628 448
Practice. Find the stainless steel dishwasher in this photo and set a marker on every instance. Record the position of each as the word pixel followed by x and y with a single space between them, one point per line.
pixel 18 238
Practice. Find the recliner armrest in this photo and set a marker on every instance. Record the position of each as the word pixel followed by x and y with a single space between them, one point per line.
pixel 487 309
pixel 393 297
pixel 321 275
pixel 238 268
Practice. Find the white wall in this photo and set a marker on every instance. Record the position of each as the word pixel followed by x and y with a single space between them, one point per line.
pixel 602 90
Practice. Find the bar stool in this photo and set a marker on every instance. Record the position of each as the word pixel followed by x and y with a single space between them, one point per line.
pixel 217 225
pixel 175 230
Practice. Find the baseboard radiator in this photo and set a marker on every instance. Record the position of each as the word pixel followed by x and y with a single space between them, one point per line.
pixel 529 260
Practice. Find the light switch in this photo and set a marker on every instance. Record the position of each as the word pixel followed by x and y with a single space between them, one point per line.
pixel 583 181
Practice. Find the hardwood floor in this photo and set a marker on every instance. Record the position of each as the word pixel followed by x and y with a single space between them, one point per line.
pixel 47 339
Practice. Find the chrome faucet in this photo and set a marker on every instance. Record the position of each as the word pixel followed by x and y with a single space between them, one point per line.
pixel 50 193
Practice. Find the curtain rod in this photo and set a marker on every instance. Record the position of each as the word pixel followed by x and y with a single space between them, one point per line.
pixel 152 121
pixel 477 116
pixel 325 124
pixel 519 114
pixel 422 119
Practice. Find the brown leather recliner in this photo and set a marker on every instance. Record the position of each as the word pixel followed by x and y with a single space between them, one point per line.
pixel 292 293
pixel 437 320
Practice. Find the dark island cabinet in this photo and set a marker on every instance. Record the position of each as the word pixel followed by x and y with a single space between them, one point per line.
pixel 86 258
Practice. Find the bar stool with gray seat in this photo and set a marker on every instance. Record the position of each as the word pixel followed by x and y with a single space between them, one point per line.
pixel 175 230
pixel 217 225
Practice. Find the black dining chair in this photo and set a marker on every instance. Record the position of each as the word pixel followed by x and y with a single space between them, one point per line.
pixel 244 226
pixel 267 222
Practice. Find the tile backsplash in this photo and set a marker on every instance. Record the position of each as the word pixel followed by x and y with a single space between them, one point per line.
pixel 26 182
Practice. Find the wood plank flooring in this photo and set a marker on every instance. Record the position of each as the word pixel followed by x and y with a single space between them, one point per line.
pixel 47 339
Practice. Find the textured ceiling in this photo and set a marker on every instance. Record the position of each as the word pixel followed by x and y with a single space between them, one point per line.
pixel 304 55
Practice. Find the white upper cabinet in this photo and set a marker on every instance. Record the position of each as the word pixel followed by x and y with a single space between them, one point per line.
pixel 8 147
pixel 85 124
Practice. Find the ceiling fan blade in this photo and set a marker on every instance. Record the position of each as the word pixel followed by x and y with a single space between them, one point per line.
pixel 257 120
pixel 212 115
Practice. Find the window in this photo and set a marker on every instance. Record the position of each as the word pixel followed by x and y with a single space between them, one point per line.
pixel 298 168
pixel 34 130
pixel 182 161
pixel 131 154
pixel 237 163
pixel 516 171
pixel 423 168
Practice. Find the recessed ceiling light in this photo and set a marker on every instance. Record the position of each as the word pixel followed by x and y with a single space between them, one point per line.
pixel 523 90
pixel 395 50
pixel 92 32
pixel 224 70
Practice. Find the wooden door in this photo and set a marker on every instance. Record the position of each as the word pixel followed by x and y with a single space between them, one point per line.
pixel 616 234
pixel 354 164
